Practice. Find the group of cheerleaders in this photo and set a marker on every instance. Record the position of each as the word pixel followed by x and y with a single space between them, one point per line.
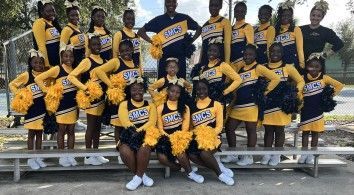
pixel 259 76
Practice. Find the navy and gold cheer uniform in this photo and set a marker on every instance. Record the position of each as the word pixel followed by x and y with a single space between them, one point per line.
pixel 129 34
pixel 264 36
pixel 162 84
pixel 242 34
pixel 106 44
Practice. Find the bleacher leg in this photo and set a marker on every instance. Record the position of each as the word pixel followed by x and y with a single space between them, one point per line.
pixel 315 166
pixel 167 172
pixel 296 136
pixel 17 173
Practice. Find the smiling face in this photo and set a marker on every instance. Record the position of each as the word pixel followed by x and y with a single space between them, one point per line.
pixel 314 68
pixel 95 45
pixel 264 15
pixel 174 92
pixel 240 12
pixel 137 92
pixel 67 57
pixel 249 56
pixel 275 53
pixel 214 7
pixel 99 18
pixel 129 20
pixel 126 52
pixel 48 12
pixel 202 90
pixel 172 68
pixel 171 5
pixel 37 64
pixel 213 52
pixel 316 17
pixel 286 17
pixel 74 16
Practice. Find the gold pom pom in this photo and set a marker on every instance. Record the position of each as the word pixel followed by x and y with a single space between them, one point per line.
pixel 156 47
pixel 118 81
pixel 180 141
pixel 53 97
pixel 115 95
pixel 83 100
pixel 160 98
pixel 22 101
pixel 206 137
pixel 152 134
pixel 94 89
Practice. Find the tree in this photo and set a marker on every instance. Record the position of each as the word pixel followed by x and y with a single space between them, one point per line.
pixel 345 31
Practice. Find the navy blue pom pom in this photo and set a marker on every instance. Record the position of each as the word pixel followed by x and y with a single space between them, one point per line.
pixel 327 101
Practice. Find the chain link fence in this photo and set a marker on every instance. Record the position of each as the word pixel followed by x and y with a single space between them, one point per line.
pixel 15 56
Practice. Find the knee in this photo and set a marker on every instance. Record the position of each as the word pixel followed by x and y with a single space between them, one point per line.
pixel 162 158
pixel 124 150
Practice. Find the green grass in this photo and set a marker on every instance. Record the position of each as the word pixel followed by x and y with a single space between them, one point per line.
pixel 339 117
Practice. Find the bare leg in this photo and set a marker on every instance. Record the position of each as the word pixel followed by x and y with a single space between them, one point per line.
pixel 230 127
pixel 164 160
pixel 143 157
pixel 128 157
pixel 30 139
pixel 279 136
pixel 61 134
pixel 314 139
pixel 184 161
pixel 210 161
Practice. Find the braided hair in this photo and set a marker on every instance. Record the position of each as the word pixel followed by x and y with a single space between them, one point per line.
pixel 92 25
pixel 277 26
pixel 55 22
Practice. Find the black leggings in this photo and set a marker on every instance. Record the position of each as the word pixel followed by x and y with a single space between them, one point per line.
pixel 92 136
pixel 32 136
pixel 272 131
pixel 69 130
pixel 206 159
pixel 305 138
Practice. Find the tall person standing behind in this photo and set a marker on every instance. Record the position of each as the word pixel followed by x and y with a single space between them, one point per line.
pixel 46 33
pixel 97 25
pixel 172 28
pixel 127 33
pixel 71 34
pixel 216 26
pixel 242 34
pixel 316 36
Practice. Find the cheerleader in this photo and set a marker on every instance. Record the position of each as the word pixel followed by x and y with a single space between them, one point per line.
pixel 281 102
pixel 97 25
pixel 136 116
pixel 316 36
pixel 128 33
pixel 242 34
pixel 46 33
pixel 123 67
pixel 289 35
pixel 86 71
pixel 35 111
pixel 245 108
pixel 216 26
pixel 216 73
pixel 207 113
pixel 264 34
pixel 71 34
pixel 66 113
pixel 318 95
pixel 173 120
pixel 160 86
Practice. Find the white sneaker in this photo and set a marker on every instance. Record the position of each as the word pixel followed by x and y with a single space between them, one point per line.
pixel 91 161
pixel 120 161
pixel 147 181
pixel 245 160
pixel 33 164
pixel 80 126
pixel 226 179
pixel 72 161
pixel 225 170
pixel 195 177
pixel 134 183
pixel 302 159
pixel 102 159
pixel 274 160
pixel 230 158
pixel 64 161
pixel 265 159
pixel 310 159
pixel 40 162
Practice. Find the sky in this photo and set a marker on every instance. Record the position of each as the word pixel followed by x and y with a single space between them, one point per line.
pixel 198 10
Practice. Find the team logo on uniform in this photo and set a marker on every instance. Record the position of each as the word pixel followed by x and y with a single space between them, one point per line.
pixel 259 36
pixel 54 32
pixel 201 116
pixel 65 82
pixel 312 86
pixel 128 74
pixel 283 37
pixel 81 38
pixel 35 88
pixel 208 28
pixel 245 76
pixel 278 72
pixel 235 34
pixel 105 40
pixel 136 42
pixel 209 73
pixel 138 114
pixel 173 31
pixel 172 118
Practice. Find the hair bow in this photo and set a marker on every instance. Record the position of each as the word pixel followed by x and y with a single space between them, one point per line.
pixel 98 7
pixel 172 59
pixel 69 4
pixel 216 40
pixel 316 55
pixel 287 4
pixel 322 5
pixel 46 1
pixel 35 53
pixel 65 47
pixel 135 80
